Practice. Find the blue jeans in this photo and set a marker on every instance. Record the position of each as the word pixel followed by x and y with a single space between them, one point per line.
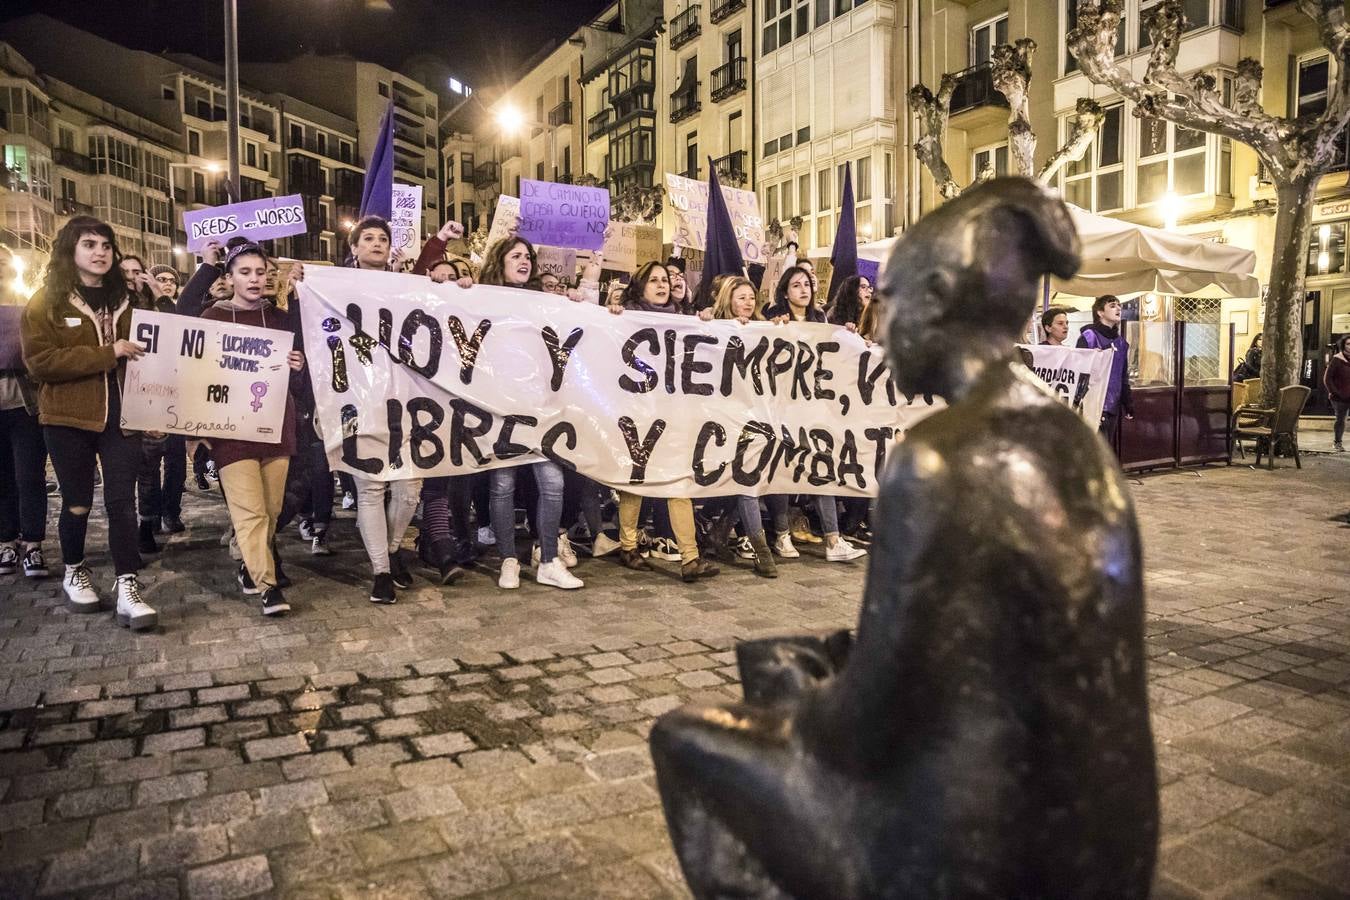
pixel 1340 407
pixel 825 507
pixel 548 478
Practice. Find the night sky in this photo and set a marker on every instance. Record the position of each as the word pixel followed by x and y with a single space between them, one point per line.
pixel 486 41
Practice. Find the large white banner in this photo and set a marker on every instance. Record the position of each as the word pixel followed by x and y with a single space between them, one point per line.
pixel 416 379
pixel 206 379
pixel 1078 376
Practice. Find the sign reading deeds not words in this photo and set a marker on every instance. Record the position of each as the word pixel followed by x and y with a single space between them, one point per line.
pixel 206 379
pixel 563 215
pixel 257 220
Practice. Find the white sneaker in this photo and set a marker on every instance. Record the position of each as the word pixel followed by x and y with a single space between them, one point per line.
pixel 348 501
pixel 565 551
pixel 603 545
pixel 132 611
pixel 509 579
pixel 79 587
pixel 9 559
pixel 745 549
pixel 666 548
pixel 486 537
pixel 782 545
pixel 555 573
pixel 843 551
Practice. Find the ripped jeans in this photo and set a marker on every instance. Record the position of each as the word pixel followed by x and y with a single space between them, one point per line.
pixel 75 452
pixel 382 525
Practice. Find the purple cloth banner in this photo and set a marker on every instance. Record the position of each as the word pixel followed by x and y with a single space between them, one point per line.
pixel 257 220
pixel 868 268
pixel 563 215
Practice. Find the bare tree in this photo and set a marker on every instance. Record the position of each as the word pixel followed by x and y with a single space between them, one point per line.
pixel 1296 152
pixel 1011 73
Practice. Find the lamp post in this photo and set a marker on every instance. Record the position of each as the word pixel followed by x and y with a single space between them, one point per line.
pixel 512 121
pixel 232 97
pixel 173 200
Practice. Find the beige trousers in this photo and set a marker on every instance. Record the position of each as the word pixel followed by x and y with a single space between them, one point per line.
pixel 681 522
pixel 254 490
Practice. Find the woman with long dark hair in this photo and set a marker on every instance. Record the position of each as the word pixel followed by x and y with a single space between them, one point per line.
pixel 850 301
pixel 76 341
pixel 512 262
pixel 649 291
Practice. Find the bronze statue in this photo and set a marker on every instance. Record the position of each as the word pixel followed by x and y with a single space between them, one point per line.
pixel 986 733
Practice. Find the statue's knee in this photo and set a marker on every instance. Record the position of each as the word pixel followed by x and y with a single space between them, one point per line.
pixel 80 511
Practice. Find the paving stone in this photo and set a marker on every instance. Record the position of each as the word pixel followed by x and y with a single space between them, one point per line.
pixel 228 880
pixel 271 748
pixel 215 810
pixel 223 694
pixel 170 788
pixel 315 765
pixel 397 728
pixel 266 833
pixel 395 843
pixel 89 868
pixel 605 660
pixel 313 700
pixel 344 817
pixel 296 795
pixel 99 708
pixel 443 744
pixel 205 758
pixel 64 734
pixel 360 713
pixel 92 801
pixel 378 754
pixel 24 814
pixel 169 741
pixel 423 802
pixel 184 847
pixel 464 873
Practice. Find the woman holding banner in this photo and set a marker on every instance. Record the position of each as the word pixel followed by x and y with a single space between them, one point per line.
pixel 512 262
pixel 792 303
pixel 1104 333
pixel 649 291
pixel 76 340
pixel 253 474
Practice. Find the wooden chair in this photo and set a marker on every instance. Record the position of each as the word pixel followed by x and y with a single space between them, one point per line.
pixel 1247 412
pixel 1282 421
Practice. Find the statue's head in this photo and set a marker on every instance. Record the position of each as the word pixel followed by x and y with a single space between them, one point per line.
pixel 961 284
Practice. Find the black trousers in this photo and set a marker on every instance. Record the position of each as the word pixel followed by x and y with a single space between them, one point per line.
pixel 158 497
pixel 74 454
pixel 23 470
pixel 313 484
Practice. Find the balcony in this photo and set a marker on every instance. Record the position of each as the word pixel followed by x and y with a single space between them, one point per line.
pixel 721 9
pixel 728 80
pixel 975 92
pixel 328 151
pixel 685 103
pixel 486 175
pixel 732 168
pixel 691 174
pixel 561 114
pixel 685 27
pixel 72 160
pixel 408 135
pixel 598 124
pixel 65 206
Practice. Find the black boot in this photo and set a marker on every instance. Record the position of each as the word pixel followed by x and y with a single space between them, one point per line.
pixel 146 542
pixel 282 580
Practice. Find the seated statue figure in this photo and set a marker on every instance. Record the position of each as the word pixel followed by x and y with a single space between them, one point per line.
pixel 986 733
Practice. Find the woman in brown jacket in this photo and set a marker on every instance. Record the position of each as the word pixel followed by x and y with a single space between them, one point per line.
pixel 75 336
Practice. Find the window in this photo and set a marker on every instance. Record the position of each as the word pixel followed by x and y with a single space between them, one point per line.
pixel 1071 22
pixel 1197 16
pixel 996 156
pixel 862 173
pixel 467 215
pixel 345 151
pixel 1311 98
pixel 567 161
pixel 735 132
pixel 779 18
pixel 194 142
pixel 771 202
pixel 466 167
pixel 785 196
pixel 156 217
pixel 250 154
pixel 823 190
pixel 68 189
pixel 732 46
pixel 65 138
pixel 167 93
pixel 1170 159
pixel 111 156
pixel 384 89
pixel 842 171
pixel 1097 181
pixel 156 172
pixel 198 187
pixel 824 231
pixel 321 141
pixel 539 171
pixel 32 172
pixel 804 195
pixel 691 154
pixel 985 36
pixel 297 135
pixel 118 205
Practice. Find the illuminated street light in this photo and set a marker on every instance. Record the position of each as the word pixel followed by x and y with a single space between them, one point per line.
pixel 1171 210
pixel 510 119
pixel 347 224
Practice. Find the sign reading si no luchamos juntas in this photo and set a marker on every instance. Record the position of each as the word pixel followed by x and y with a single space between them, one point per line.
pixel 415 379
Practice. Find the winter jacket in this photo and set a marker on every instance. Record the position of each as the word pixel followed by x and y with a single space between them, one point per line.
pixel 1118 395
pixel 432 251
pixel 64 351
pixel 1336 379
pixel 196 294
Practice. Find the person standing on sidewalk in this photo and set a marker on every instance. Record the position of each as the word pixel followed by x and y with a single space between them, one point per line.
pixel 23 453
pixel 253 474
pixel 1105 333
pixel 75 336
pixel 1336 379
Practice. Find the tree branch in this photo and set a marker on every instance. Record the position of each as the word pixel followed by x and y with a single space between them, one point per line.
pixel 1010 68
pixel 1164 93
pixel 1083 125
pixel 1335 36
pixel 934 111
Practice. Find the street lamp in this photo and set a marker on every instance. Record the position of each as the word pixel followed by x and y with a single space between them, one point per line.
pixel 512 122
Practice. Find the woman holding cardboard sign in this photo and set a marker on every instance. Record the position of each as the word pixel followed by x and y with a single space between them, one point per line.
pixel 254 474
pixel 75 336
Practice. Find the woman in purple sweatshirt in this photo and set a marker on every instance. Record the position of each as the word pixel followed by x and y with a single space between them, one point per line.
pixel 1104 333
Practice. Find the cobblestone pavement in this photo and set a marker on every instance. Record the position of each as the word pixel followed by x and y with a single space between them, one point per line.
pixel 469 741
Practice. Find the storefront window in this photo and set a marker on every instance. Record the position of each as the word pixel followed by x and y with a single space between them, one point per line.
pixel 1326 249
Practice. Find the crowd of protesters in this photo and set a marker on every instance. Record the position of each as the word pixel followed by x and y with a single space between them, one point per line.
pixel 64 405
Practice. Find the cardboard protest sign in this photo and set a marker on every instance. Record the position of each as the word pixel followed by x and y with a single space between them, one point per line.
pixel 563 215
pixel 689 201
pixel 505 219
pixel 206 379
pixel 406 221
pixel 1078 376
pixel 11 353
pixel 413 379
pixel 257 220
pixel 560 261
pixel 629 245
